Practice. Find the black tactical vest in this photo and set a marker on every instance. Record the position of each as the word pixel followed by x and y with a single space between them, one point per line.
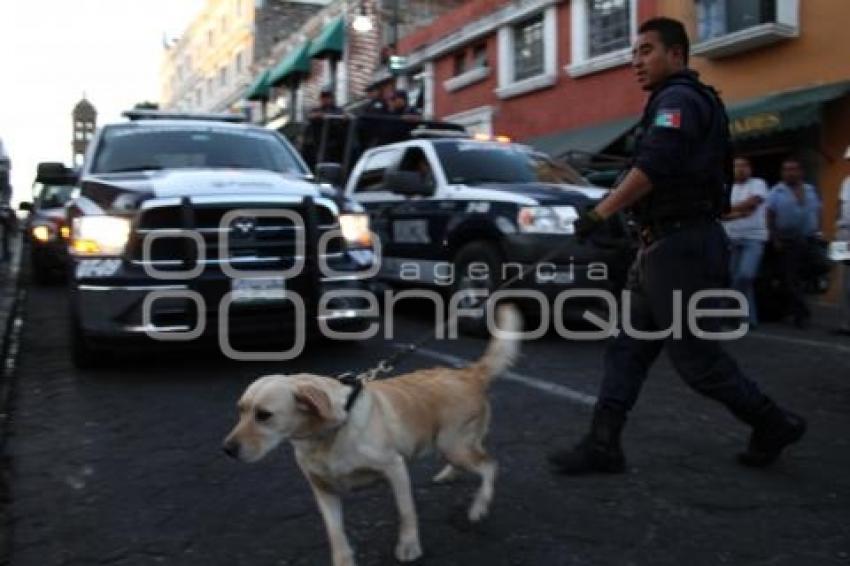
pixel 703 190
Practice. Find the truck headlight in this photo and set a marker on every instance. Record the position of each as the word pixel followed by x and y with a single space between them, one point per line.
pixel 355 230
pixel 547 219
pixel 42 233
pixel 99 235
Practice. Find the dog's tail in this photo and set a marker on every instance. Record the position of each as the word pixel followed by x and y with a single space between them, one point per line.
pixel 504 345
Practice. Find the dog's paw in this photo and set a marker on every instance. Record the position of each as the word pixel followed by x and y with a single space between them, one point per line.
pixel 446 475
pixel 478 510
pixel 408 550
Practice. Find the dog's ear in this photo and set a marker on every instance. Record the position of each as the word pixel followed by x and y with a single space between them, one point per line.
pixel 313 400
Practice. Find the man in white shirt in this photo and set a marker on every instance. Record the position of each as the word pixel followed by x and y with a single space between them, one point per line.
pixel 843 234
pixel 746 226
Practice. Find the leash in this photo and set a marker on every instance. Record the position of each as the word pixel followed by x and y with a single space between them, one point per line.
pixel 387 365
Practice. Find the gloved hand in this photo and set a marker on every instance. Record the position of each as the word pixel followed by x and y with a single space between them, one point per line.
pixel 588 222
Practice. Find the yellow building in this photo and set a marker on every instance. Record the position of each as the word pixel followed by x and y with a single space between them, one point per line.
pixel 209 67
pixel 783 68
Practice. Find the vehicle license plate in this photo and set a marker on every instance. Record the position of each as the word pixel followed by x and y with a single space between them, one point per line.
pixel 258 289
pixel 839 251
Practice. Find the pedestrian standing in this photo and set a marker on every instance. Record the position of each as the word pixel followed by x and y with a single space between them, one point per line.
pixel 843 235
pixel 793 219
pixel 376 103
pixel 746 226
pixel 676 188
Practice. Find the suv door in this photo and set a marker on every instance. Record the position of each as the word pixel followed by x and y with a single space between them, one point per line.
pixel 418 223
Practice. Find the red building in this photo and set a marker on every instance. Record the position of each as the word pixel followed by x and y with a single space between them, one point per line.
pixel 551 73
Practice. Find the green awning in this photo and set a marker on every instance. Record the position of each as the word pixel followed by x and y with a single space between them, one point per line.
pixel 259 89
pixel 592 139
pixel 331 41
pixel 295 64
pixel 788 110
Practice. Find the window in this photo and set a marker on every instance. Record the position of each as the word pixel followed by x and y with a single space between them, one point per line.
pixel 238 64
pixel 209 86
pixel 528 52
pixel 223 24
pixel 479 56
pixel 222 76
pixel 602 34
pixel 459 63
pixel 608 26
pixel 725 27
pixel 199 98
pixel 372 176
pixel 238 5
pixel 528 48
pixel 210 38
pixel 720 17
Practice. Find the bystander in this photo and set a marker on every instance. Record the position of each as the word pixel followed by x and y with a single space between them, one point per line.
pixel 793 213
pixel 746 226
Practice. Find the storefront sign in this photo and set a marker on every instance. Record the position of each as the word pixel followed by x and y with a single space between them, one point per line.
pixel 754 123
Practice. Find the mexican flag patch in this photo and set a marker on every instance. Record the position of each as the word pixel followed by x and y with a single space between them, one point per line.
pixel 668 118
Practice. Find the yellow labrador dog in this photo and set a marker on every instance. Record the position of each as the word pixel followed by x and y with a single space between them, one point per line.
pixel 344 438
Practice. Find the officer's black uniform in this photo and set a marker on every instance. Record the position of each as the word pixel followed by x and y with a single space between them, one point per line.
pixel 684 150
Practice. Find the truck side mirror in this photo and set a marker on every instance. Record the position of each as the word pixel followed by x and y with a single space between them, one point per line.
pixel 330 173
pixel 409 183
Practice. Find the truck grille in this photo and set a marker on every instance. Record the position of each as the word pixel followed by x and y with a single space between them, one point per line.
pixel 253 240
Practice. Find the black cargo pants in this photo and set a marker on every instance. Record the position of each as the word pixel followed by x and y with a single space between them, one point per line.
pixel 692 259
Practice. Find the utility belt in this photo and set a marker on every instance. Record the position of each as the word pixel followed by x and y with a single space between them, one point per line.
pixel 656 230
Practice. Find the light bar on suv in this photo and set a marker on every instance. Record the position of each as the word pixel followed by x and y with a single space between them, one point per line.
pixel 164 115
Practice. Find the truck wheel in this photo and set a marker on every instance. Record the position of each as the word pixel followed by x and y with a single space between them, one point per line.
pixel 476 253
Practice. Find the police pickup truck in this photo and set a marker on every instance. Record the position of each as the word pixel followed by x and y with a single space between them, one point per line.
pixel 195 226
pixel 462 214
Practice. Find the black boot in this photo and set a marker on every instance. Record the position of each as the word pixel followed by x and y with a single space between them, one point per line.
pixel 599 451
pixel 773 430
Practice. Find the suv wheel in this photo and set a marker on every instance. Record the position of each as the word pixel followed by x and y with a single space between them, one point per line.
pixel 476 253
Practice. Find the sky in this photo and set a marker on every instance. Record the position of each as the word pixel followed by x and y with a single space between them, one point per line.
pixel 54 51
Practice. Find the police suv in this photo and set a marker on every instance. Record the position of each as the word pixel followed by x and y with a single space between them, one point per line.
pixel 191 226
pixel 466 214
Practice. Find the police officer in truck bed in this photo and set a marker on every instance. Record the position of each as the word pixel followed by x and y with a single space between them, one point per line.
pixel 676 188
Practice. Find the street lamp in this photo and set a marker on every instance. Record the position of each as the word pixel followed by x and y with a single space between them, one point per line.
pixel 362 22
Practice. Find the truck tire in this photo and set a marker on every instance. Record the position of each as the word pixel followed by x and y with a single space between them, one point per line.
pixel 482 252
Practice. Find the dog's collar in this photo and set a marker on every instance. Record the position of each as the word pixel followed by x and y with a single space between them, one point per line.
pixel 356 388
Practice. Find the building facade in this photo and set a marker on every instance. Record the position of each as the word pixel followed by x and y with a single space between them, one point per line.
pixel 209 67
pixel 555 74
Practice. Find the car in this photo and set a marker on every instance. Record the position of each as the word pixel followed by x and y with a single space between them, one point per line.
pixel 46 230
pixel 196 227
pixel 465 214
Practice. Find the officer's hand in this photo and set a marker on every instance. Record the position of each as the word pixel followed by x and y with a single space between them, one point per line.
pixel 588 222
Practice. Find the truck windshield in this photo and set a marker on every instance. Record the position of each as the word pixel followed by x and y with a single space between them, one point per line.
pixel 474 162
pixel 55 196
pixel 134 148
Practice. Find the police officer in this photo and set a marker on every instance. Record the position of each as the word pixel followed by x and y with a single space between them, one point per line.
pixel 327 104
pixel 676 188
pixel 400 104
pixel 377 104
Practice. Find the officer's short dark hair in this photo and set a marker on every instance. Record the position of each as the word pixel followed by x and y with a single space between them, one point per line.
pixel 672 33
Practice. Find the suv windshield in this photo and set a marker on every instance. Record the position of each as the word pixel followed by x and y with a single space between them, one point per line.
pixel 474 162
pixel 54 196
pixel 139 148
